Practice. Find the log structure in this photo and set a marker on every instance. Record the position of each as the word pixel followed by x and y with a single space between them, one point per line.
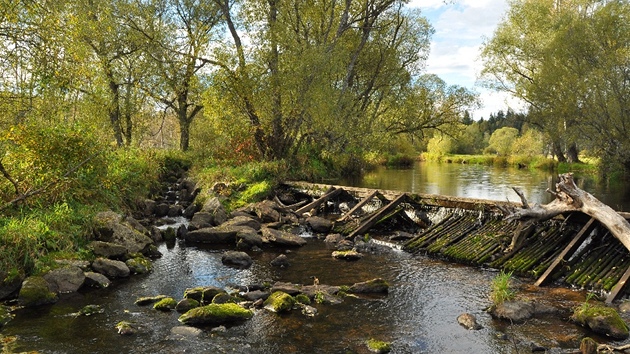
pixel 575 240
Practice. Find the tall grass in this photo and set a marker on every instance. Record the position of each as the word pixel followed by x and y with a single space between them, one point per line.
pixel 501 289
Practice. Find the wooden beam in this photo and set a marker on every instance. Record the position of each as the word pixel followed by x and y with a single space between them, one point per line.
pixel 359 205
pixel 316 203
pixel 570 248
pixel 376 216
pixel 618 287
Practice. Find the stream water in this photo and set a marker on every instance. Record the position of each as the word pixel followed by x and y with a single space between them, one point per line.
pixel 417 316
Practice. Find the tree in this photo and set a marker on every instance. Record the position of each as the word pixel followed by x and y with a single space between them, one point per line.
pixel 502 140
pixel 569 60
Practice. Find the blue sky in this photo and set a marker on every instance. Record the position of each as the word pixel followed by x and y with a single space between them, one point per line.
pixel 460 28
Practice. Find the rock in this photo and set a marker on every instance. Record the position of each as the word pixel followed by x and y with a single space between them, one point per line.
pixel 345 245
pixel 202 220
pixel 203 294
pixel 161 210
pixel 10 285
pixel 83 265
pixel 588 346
pixel 108 250
pixel 96 280
pixel 214 235
pixel 319 224
pixel 148 300
pixel 190 211
pixel 111 268
pixel 35 291
pixel 5 315
pixel 266 211
pixel 312 290
pixel 350 255
pixel 66 279
pixel 175 210
pixel 147 207
pixel 182 231
pixel 125 328
pixel 255 295
pixel 281 261
pixel 243 221
pixel 401 236
pixel 279 301
pixel 89 310
pixel 378 346
pixel 334 238
pixel 602 320
pixel 224 298
pixel 247 238
pixel 236 259
pixel 136 225
pixel 468 321
pixel 281 238
pixel 216 314
pixel 514 311
pixel 214 207
pixel 109 228
pixel 185 305
pixel 166 304
pixel 291 289
pixel 376 285
pixel 139 265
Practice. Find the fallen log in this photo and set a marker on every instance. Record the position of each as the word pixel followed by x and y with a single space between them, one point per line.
pixel 569 198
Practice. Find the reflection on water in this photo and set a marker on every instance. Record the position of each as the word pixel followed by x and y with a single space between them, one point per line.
pixel 484 182
pixel 417 316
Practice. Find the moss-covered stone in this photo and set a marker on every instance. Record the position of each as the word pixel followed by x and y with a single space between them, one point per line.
pixel 90 310
pixel 378 346
pixel 35 291
pixel 166 304
pixel 215 314
pixel 125 328
pixel 148 300
pixel 279 301
pixel 602 320
pixel 186 305
pixel 224 298
pixel 302 299
pixel 377 285
pixel 203 294
pixel 139 265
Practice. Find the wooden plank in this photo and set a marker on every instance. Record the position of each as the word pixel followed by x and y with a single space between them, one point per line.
pixel 316 203
pixel 570 248
pixel 618 287
pixel 376 216
pixel 359 205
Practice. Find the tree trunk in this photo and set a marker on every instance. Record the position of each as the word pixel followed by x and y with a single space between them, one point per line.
pixel 570 198
pixel 557 151
pixel 572 154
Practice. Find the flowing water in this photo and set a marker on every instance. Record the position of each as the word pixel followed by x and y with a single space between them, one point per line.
pixel 417 316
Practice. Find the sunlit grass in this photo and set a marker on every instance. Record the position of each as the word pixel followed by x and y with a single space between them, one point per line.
pixel 501 289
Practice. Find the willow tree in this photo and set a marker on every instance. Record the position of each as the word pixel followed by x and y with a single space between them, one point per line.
pixel 318 73
pixel 569 60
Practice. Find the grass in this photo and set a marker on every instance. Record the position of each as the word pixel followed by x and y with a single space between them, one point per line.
pixel 501 290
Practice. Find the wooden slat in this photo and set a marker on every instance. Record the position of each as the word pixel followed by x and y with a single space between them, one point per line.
pixel 376 216
pixel 570 248
pixel 618 287
pixel 314 204
pixel 359 206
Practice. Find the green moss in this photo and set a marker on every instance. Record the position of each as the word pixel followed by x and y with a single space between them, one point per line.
pixel 147 300
pixel 139 265
pixel 215 314
pixel 279 301
pixel 165 304
pixel 378 346
pixel 35 292
pixel 601 319
pixel 303 299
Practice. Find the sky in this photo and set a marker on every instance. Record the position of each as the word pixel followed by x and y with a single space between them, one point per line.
pixel 460 28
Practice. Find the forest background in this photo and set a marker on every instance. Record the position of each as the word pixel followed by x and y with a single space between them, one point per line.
pixel 99 98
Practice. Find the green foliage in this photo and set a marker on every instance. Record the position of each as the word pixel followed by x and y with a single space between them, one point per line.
pixel 501 289
pixel 502 140
pixel 439 146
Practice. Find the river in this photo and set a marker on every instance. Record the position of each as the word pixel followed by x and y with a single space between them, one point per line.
pixel 418 315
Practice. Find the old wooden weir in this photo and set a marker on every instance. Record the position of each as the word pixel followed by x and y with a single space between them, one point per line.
pixel 572 250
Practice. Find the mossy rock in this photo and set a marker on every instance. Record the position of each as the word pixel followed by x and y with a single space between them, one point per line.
pixel 125 328
pixel 166 304
pixel 279 301
pixel 139 265
pixel 602 320
pixel 378 346
pixel 148 300
pixel 90 310
pixel 215 314
pixel 373 286
pixel 35 291
pixel 224 298
pixel 203 294
pixel 302 299
pixel 186 305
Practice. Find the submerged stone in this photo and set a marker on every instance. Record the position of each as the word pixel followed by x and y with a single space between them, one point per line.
pixel 350 255
pixel 215 314
pixel 125 328
pixel 468 321
pixel 5 315
pixel 376 285
pixel 139 265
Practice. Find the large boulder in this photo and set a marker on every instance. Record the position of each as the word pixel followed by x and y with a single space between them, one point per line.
pixel 247 238
pixel 243 220
pixel 108 250
pixel 214 207
pixel 111 268
pixel 237 259
pixel 281 238
pixel 36 291
pixel 601 320
pixel 216 314
pixel 267 211
pixel 96 280
pixel 218 234
pixel 111 228
pixel 202 220
pixel 319 224
pixel 9 285
pixel 66 279
pixel 514 311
